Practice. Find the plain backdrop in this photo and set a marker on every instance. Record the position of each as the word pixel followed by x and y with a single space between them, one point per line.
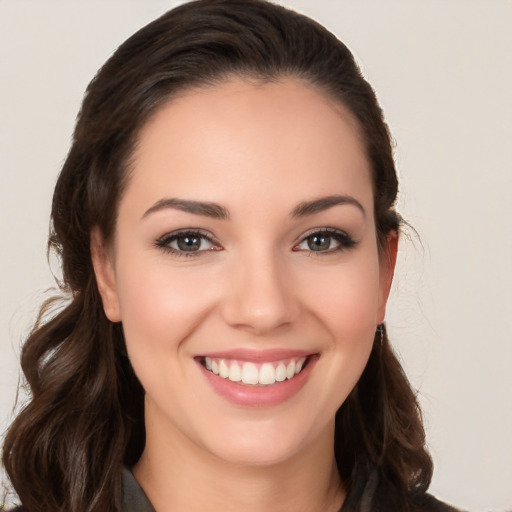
pixel 442 70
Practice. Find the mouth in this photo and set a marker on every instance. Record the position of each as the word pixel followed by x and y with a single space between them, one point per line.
pixel 258 374
pixel 257 378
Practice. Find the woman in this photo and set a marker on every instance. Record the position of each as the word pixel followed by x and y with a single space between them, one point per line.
pixel 226 223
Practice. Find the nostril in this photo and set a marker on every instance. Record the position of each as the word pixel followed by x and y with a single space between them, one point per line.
pixel 260 299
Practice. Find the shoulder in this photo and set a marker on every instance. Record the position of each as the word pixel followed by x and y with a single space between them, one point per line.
pixel 379 495
pixel 428 503
pixel 387 499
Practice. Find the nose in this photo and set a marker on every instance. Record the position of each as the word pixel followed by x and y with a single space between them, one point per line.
pixel 261 296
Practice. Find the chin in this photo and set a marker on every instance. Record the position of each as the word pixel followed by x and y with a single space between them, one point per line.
pixel 255 455
pixel 263 444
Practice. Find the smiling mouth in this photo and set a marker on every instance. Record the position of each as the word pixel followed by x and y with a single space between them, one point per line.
pixel 255 374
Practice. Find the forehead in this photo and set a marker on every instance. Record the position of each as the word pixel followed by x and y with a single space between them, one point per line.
pixel 246 140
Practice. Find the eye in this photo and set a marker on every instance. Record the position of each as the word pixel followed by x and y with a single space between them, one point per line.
pixel 326 240
pixel 187 243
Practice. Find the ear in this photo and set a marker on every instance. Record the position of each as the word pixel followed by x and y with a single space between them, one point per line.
pixel 102 261
pixel 387 269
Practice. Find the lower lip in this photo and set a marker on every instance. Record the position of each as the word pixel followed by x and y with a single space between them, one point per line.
pixel 259 396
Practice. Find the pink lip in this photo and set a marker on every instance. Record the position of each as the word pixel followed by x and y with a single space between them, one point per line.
pixel 258 396
pixel 258 356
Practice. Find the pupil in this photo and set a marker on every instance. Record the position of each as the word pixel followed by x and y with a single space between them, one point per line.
pixel 189 243
pixel 319 242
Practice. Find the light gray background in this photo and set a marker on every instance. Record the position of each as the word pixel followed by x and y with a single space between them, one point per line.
pixel 443 72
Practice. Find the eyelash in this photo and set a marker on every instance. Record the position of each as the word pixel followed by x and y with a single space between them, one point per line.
pixel 164 242
pixel 344 240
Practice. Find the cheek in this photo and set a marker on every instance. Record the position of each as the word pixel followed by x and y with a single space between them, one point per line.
pixel 346 306
pixel 345 316
pixel 160 305
pixel 346 297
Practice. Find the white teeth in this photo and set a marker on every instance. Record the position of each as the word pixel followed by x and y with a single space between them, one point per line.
pixel 290 370
pixel 223 369
pixel 235 372
pixel 280 372
pixel 250 373
pixel 267 374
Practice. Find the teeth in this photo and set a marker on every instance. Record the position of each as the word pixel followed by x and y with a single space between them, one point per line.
pixel 280 372
pixel 223 370
pixel 267 374
pixel 249 373
pixel 290 370
pixel 235 372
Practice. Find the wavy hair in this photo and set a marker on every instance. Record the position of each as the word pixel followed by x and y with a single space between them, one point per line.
pixel 85 419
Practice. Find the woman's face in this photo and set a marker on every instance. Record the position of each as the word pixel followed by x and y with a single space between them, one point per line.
pixel 245 268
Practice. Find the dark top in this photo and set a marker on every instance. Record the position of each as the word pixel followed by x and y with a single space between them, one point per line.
pixel 370 500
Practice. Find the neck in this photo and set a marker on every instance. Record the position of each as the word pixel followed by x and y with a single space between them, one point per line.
pixel 179 476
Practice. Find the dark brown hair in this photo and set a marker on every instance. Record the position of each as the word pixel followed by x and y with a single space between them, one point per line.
pixel 84 421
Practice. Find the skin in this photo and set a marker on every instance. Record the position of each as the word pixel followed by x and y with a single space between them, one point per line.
pixel 258 150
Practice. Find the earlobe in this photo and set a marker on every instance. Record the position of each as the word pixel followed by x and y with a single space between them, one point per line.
pixel 387 269
pixel 105 276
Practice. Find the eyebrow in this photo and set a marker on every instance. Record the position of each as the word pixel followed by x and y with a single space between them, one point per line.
pixel 216 211
pixel 207 209
pixel 324 203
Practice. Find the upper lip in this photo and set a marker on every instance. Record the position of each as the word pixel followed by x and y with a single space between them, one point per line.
pixel 258 356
